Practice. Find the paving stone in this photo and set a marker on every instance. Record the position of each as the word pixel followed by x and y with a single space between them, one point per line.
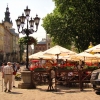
pixel 40 93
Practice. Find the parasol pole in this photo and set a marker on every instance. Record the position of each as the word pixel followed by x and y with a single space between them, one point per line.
pixel 56 72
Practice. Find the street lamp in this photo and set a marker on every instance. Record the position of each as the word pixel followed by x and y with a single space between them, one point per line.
pixel 28 30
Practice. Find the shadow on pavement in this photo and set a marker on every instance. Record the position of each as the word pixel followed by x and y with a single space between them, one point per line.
pixel 42 89
pixel 97 92
pixel 14 93
pixel 63 89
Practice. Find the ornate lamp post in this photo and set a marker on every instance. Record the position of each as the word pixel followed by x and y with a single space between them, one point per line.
pixel 27 31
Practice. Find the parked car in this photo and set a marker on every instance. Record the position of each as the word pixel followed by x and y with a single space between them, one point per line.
pixel 95 79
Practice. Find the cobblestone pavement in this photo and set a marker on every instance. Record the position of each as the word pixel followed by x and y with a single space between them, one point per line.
pixel 41 94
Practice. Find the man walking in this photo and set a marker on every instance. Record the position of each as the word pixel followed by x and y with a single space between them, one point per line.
pixel 7 73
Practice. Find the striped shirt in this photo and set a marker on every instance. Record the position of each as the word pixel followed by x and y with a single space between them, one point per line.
pixel 7 69
pixel 2 68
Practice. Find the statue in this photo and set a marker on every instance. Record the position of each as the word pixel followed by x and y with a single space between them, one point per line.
pixel 90 46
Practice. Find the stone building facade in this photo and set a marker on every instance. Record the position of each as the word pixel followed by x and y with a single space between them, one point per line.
pixel 9 48
pixel 43 45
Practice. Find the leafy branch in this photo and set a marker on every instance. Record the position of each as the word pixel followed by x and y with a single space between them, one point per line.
pixel 30 40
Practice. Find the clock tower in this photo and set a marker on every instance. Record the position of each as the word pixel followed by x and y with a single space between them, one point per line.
pixel 7 21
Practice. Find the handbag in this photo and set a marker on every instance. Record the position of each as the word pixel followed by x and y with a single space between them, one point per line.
pixel 14 73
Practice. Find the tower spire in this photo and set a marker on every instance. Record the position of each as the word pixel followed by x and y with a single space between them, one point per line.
pixel 7 15
pixel 7 9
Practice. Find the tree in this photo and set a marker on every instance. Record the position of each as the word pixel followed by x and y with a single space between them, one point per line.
pixel 30 40
pixel 21 46
pixel 23 41
pixel 74 18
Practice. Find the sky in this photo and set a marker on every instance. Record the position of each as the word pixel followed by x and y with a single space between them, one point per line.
pixel 16 8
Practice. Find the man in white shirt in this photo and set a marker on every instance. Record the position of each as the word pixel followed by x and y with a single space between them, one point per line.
pixel 7 73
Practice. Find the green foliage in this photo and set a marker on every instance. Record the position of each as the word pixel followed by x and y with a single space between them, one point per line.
pixel 23 41
pixel 21 46
pixel 30 40
pixel 72 18
pixel 56 27
pixel 66 68
pixel 90 67
pixel 40 69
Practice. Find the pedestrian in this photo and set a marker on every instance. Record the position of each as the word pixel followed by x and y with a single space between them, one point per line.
pixel 51 77
pixel 14 66
pixel 18 68
pixel 3 64
pixel 18 73
pixel 7 74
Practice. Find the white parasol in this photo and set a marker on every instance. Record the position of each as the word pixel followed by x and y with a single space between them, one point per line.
pixel 39 55
pixel 85 55
pixel 58 50
pixel 94 49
